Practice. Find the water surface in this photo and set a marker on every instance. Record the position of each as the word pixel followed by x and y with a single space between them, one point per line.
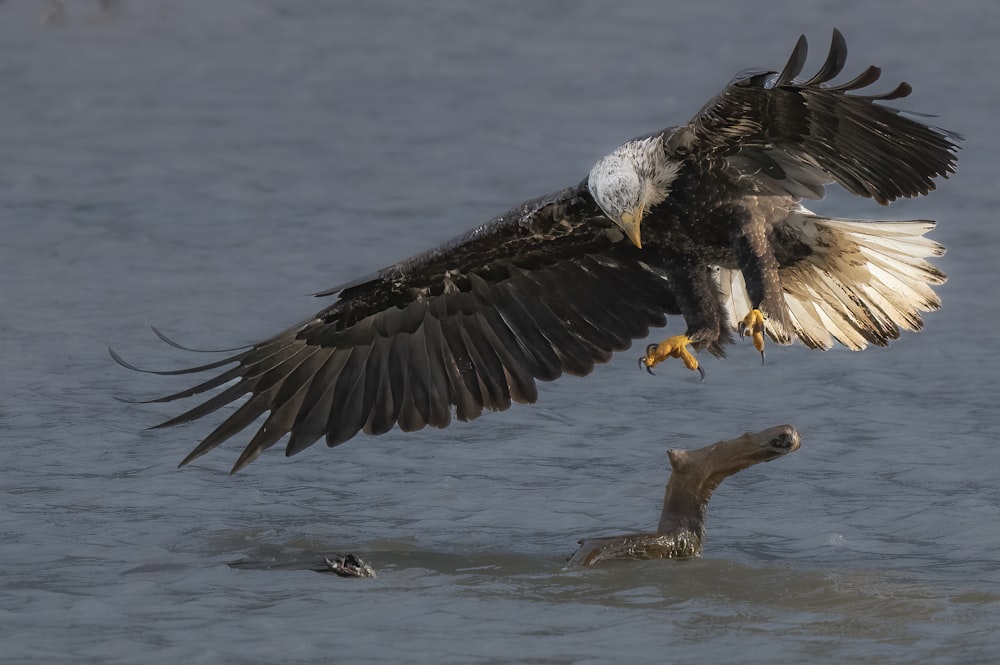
pixel 203 167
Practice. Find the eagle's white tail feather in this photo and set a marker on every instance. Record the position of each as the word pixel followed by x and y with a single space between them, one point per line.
pixel 863 282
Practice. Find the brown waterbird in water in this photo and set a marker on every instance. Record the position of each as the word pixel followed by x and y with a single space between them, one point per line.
pixel 695 475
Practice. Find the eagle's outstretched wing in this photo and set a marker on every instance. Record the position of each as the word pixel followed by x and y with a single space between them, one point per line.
pixel 795 136
pixel 544 289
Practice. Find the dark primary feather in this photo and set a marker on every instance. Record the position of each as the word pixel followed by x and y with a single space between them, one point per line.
pixel 796 136
pixel 469 326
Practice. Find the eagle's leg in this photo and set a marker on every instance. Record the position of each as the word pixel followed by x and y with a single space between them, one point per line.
pixel 753 325
pixel 759 266
pixel 697 296
pixel 672 347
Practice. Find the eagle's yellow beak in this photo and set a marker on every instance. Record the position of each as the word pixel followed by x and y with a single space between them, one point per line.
pixel 630 225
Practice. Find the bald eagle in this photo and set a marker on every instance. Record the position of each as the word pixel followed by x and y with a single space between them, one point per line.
pixel 703 220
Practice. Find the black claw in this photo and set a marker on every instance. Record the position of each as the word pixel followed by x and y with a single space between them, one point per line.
pixel 762 357
pixel 643 360
pixel 702 372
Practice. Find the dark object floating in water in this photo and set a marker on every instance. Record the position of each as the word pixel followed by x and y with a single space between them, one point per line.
pixel 349 565
pixel 696 473
pixel 344 565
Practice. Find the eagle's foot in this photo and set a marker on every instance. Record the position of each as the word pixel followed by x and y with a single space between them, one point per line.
pixel 672 347
pixel 753 324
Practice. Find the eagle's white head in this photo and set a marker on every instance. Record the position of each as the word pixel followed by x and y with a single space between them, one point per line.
pixel 631 180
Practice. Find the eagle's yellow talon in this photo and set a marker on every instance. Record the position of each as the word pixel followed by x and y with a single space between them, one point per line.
pixel 753 323
pixel 672 347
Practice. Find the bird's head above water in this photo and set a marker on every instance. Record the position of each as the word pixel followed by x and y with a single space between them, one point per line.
pixel 631 180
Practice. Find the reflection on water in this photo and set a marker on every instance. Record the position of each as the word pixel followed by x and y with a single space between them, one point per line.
pixel 781 586
pixel 701 598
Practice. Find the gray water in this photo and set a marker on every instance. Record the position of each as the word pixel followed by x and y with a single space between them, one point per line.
pixel 203 166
